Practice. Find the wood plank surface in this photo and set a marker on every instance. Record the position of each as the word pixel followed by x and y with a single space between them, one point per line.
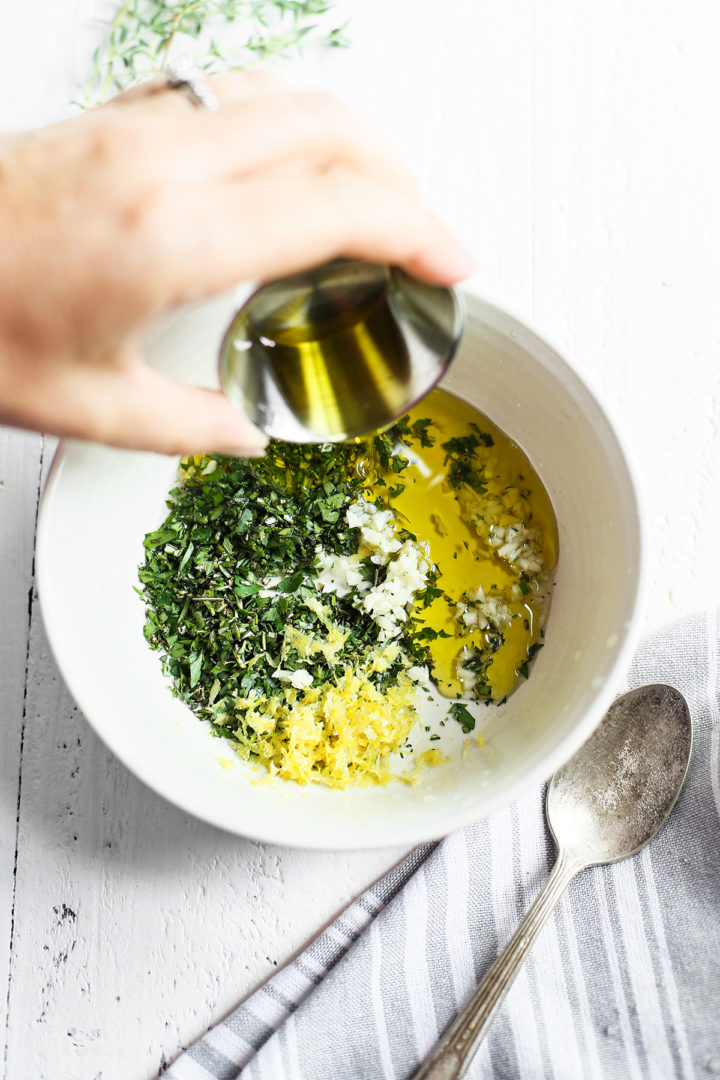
pixel 20 465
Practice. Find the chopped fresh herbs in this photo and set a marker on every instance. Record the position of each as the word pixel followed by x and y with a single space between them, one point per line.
pixel 484 438
pixel 524 584
pixel 428 594
pixel 464 465
pixel 218 592
pixel 464 717
pixel 291 593
pixel 420 431
pixel 524 668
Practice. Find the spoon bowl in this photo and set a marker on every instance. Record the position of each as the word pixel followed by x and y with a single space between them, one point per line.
pixel 614 795
pixel 609 800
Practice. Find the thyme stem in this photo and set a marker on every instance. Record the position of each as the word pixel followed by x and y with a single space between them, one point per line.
pixel 218 34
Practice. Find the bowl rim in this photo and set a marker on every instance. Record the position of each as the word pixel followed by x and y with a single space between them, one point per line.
pixel 286 833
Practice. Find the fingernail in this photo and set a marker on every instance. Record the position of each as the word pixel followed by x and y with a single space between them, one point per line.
pixel 254 449
pixel 251 452
pixel 457 262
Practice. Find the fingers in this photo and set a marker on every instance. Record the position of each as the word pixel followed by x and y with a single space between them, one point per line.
pixel 260 125
pixel 132 406
pixel 308 180
pixel 149 411
pixel 279 225
pixel 250 135
pixel 233 86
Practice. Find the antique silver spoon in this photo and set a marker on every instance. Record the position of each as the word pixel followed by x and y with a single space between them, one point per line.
pixel 603 806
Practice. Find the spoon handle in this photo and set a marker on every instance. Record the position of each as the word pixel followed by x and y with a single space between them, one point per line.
pixel 455 1051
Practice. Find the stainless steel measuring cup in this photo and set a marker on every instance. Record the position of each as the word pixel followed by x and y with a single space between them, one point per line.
pixel 339 351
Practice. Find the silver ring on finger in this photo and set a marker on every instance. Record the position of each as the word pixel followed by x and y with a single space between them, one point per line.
pixel 186 76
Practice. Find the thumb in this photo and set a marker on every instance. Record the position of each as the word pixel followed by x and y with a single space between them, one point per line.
pixel 136 407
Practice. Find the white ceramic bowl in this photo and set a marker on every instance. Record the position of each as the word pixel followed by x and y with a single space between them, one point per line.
pixel 99 503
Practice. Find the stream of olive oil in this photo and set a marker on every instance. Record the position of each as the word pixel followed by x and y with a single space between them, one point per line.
pixel 432 511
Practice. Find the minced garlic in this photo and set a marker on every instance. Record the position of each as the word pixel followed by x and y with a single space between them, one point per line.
pixel 305 602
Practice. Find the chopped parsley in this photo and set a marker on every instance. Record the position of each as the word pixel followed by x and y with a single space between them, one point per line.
pixel 236 602
pixel 524 668
pixel 464 465
pixel 218 594
pixel 464 717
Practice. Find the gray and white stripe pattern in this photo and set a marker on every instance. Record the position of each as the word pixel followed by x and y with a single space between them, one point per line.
pixel 623 983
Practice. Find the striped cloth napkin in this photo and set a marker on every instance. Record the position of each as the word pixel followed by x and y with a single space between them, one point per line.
pixel 623 982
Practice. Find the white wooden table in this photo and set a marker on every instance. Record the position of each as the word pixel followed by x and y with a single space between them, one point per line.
pixel 575 148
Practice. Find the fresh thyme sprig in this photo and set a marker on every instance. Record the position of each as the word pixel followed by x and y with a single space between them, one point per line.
pixel 217 34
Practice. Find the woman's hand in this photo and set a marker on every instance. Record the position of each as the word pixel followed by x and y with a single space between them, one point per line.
pixel 109 219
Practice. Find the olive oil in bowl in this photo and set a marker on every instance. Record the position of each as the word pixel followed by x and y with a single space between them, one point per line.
pixel 322 594
pixel 466 481
pixel 339 351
